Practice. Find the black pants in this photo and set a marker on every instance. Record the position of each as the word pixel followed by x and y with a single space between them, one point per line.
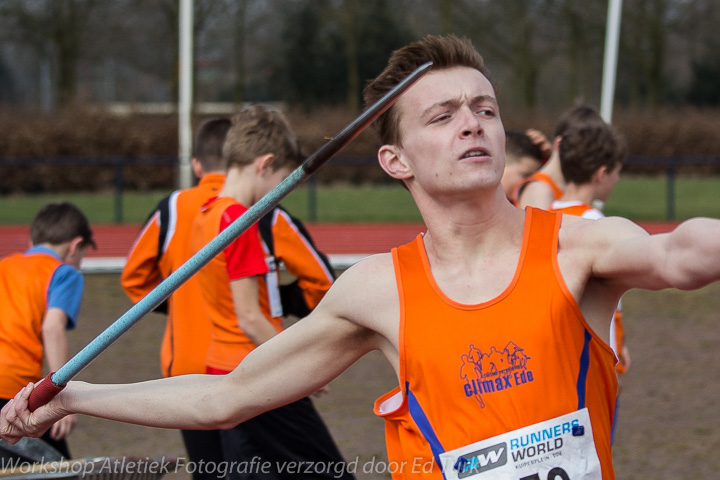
pixel 59 445
pixel 290 442
pixel 204 449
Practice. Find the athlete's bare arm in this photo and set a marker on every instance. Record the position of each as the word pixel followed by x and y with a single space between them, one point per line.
pixel 686 258
pixel 601 259
pixel 359 314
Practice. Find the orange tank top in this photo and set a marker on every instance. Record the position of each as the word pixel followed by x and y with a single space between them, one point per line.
pixel 229 343
pixel 24 279
pixel 160 249
pixel 473 372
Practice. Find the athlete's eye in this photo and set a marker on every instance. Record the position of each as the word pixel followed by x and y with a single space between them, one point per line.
pixel 440 118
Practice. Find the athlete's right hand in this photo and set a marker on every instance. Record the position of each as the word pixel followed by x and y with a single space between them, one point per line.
pixel 17 421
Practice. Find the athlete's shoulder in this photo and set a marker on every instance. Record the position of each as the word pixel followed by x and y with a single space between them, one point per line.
pixel 373 266
pixel 369 277
pixel 367 295
pixel 599 234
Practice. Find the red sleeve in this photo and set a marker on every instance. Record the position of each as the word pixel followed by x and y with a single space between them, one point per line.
pixel 244 256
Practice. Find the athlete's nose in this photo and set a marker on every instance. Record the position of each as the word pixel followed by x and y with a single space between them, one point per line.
pixel 471 122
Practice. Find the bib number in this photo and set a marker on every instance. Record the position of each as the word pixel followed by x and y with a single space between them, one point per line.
pixel 273 290
pixel 556 473
pixel 559 449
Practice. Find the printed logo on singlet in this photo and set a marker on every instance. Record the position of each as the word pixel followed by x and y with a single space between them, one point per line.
pixel 494 371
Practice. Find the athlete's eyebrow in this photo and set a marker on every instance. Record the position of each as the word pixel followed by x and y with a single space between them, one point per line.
pixel 485 99
pixel 455 102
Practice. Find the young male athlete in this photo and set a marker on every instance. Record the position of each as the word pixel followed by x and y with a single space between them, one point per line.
pixel 40 294
pixel 525 298
pixel 164 244
pixel 162 247
pixel 241 295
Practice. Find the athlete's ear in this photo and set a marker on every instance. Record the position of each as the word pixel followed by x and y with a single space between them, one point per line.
pixel 393 161
pixel 74 245
pixel 263 163
pixel 197 167
pixel 75 251
pixel 599 174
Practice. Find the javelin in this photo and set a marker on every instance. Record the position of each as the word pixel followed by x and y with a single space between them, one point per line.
pixel 51 385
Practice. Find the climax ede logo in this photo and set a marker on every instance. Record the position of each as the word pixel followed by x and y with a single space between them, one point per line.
pixel 481 460
pixel 495 371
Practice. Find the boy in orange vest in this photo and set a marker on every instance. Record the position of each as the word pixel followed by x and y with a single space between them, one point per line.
pixel 40 295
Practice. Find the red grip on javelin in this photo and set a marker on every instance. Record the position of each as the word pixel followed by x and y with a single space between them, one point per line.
pixel 43 393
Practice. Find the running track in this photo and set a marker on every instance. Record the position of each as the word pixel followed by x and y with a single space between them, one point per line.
pixel 343 243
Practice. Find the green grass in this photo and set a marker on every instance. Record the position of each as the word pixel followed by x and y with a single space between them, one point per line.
pixel 645 198
pixel 637 198
pixel 99 207
pixel 355 204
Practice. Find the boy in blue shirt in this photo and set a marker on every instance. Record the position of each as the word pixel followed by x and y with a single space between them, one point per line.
pixel 40 294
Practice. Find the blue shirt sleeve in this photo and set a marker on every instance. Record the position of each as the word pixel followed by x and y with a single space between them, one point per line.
pixel 65 292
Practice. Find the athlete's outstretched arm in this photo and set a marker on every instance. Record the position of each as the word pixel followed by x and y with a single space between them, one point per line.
pixel 686 258
pixel 291 365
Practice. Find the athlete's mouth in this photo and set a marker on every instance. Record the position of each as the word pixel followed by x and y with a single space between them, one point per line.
pixel 477 152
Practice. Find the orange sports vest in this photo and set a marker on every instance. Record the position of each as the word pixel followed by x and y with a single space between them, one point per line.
pixel 160 249
pixel 229 344
pixel 472 372
pixel 24 280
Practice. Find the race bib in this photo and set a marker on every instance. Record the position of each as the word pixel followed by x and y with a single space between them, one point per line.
pixel 557 449
pixel 273 291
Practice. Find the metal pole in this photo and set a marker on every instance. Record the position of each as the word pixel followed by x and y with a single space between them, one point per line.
pixel 612 36
pixel 185 83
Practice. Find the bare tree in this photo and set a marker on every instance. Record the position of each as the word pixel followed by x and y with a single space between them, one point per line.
pixel 240 41
pixel 644 33
pixel 56 30
pixel 204 13
pixel 348 17
pixel 445 10
pixel 509 32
